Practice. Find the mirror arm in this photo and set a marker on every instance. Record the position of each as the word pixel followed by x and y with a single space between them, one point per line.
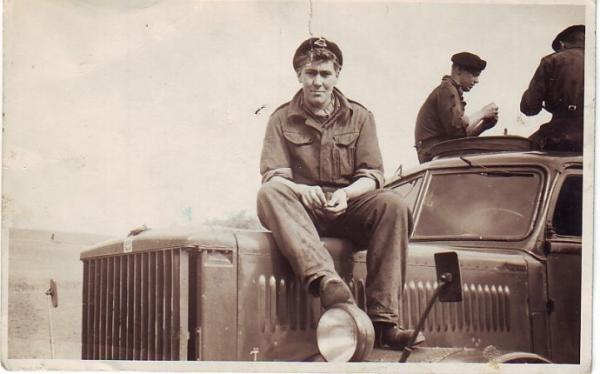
pixel 444 279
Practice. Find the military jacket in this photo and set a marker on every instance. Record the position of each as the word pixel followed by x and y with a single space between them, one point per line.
pixel 557 85
pixel 440 118
pixel 332 154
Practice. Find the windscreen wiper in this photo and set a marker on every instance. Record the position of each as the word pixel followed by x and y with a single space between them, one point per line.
pixel 494 172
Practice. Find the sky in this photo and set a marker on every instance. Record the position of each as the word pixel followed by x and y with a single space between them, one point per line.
pixel 122 113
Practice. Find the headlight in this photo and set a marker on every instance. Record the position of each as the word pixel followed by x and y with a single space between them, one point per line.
pixel 345 333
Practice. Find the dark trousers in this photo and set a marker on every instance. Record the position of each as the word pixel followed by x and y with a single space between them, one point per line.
pixel 560 134
pixel 378 220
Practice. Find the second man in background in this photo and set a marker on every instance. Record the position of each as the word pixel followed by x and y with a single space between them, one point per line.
pixel 442 116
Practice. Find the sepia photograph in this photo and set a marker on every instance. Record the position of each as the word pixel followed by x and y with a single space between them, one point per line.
pixel 298 186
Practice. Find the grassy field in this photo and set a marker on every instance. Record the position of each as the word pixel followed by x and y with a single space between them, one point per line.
pixel 35 257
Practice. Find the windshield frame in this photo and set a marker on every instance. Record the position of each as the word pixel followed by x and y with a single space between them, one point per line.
pixel 501 169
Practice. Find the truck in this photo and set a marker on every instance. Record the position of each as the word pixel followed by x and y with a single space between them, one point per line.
pixel 512 216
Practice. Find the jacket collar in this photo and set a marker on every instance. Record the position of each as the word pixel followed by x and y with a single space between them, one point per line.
pixel 447 78
pixel 296 108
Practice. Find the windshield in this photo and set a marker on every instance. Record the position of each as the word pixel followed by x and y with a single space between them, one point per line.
pixel 484 205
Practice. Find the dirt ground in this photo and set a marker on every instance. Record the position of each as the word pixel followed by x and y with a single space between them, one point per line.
pixel 36 257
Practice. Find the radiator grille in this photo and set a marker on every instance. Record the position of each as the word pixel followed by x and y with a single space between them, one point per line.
pixel 132 309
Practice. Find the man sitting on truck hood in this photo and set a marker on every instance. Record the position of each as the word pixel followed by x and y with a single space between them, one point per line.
pixel 323 175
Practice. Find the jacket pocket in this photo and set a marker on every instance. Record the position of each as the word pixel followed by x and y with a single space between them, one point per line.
pixel 346 139
pixel 297 138
pixel 344 153
pixel 303 151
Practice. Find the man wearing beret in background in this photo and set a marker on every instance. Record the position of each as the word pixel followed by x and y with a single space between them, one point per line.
pixel 557 86
pixel 323 175
pixel 442 116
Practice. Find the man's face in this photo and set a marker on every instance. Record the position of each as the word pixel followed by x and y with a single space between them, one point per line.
pixel 467 79
pixel 318 80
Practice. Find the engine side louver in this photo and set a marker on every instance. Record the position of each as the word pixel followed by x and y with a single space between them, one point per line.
pixel 485 308
pixel 283 304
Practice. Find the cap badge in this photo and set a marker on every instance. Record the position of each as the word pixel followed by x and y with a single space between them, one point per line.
pixel 321 42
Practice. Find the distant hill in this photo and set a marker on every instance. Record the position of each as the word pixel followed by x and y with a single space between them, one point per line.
pixel 35 257
pixel 56 236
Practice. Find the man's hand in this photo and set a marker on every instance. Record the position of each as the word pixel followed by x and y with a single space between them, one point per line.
pixel 312 196
pixel 482 120
pixel 337 204
pixel 490 117
pixel 488 123
pixel 490 111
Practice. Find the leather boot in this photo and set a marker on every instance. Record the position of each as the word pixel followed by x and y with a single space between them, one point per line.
pixel 333 290
pixel 388 335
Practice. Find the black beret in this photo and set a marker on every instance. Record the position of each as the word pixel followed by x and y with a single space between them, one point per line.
pixel 565 34
pixel 316 43
pixel 469 61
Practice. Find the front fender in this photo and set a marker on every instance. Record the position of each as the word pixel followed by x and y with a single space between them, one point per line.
pixel 489 354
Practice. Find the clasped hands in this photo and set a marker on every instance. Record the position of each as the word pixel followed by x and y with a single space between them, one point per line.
pixel 490 115
pixel 314 198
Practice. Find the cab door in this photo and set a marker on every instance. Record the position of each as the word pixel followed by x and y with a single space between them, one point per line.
pixel 563 248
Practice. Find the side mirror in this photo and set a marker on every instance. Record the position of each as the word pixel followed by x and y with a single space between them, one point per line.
pixel 448 275
pixel 449 289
